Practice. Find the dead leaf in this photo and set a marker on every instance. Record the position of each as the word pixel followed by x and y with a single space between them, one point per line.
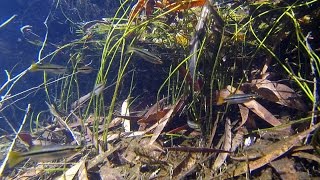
pixel 154 117
pixel 26 138
pixel 275 150
pixel 184 165
pixel 162 123
pixel 156 107
pixel 30 173
pixel 244 111
pixel 125 111
pixel 221 95
pixel 83 174
pixel 262 112
pixel 101 158
pixel 70 173
pixel 285 168
pixel 278 93
pixel 307 156
pixel 258 109
pixel 238 138
pixel 109 173
pixel 226 146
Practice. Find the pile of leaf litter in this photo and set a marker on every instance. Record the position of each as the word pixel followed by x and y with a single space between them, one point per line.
pixel 234 94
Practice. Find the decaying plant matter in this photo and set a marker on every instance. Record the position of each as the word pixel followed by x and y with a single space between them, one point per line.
pixel 180 89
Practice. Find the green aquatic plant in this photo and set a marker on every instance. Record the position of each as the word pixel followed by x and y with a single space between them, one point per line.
pixel 190 57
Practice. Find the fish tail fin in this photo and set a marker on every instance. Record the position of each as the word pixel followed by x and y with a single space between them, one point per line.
pixel 14 158
pixel 130 49
pixel 219 100
pixel 33 67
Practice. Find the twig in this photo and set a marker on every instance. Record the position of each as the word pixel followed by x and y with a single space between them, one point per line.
pixel 62 122
pixel 3 165
pixel 8 21
pixel 315 86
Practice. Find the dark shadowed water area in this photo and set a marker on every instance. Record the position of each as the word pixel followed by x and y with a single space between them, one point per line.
pixel 17 54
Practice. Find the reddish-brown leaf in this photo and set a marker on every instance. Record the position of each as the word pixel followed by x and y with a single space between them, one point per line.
pixel 278 93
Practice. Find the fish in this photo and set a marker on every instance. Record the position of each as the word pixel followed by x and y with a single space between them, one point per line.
pixel 43 153
pixel 194 125
pixel 85 69
pixel 50 68
pixel 34 38
pixel 236 98
pixel 145 54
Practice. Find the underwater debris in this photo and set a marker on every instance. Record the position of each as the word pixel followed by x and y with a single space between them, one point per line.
pixel 125 111
pixel 149 6
pixel 271 153
pixel 8 21
pixel 43 153
pixel 278 93
pixel 195 141
pixel 61 121
pixel 98 89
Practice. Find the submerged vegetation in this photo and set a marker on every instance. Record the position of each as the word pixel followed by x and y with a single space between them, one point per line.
pixel 174 89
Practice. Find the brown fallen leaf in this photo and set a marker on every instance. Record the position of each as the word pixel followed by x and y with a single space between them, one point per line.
pixel 226 146
pixel 238 138
pixel 244 112
pixel 258 109
pixel 71 172
pixel 154 117
pixel 156 107
pixel 154 113
pixel 162 123
pixel 276 150
pixel 110 173
pixel 164 120
pixel 285 168
pixel 184 165
pixel 83 174
pixel 307 156
pixel 31 173
pixel 262 112
pixel 26 138
pixel 278 93
pixel 101 158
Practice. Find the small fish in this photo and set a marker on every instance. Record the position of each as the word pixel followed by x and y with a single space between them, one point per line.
pixel 32 37
pixel 50 68
pixel 43 153
pixel 236 98
pixel 145 54
pixel 194 125
pixel 85 69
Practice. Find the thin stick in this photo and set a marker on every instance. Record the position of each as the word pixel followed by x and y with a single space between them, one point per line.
pixel 8 21
pixel 315 86
pixel 3 165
